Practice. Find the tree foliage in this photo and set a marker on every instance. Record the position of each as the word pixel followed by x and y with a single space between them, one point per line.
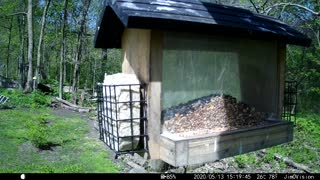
pixel 303 64
pixel 90 66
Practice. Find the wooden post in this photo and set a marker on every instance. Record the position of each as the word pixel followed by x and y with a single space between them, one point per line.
pixel 142 55
pixel 154 94
pixel 136 53
pixel 281 75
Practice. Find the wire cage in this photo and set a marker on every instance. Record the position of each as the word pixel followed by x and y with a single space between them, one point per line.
pixel 290 101
pixel 122 117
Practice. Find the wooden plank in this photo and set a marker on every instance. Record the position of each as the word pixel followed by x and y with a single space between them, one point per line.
pixel 136 53
pixel 154 94
pixel 243 134
pixel 238 141
pixel 235 147
pixel 269 125
pixel 207 149
pixel 168 151
pixel 281 75
pixel 182 153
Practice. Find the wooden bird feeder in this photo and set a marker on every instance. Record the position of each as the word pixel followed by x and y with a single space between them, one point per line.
pixel 187 49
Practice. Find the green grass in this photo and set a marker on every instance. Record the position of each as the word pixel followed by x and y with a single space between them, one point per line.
pixel 22 129
pixel 304 149
pixel 32 100
pixel 246 159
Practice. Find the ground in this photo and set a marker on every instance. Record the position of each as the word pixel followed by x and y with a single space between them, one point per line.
pixel 75 146
pixel 44 140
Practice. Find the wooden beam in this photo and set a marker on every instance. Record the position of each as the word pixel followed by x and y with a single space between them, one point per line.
pixel 281 75
pixel 154 94
pixel 136 53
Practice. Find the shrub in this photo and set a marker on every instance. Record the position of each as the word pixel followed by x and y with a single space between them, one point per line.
pixel 38 132
pixel 245 159
pixel 35 99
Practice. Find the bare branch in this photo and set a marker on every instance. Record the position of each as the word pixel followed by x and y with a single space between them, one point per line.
pixel 13 14
pixel 283 8
pixel 254 5
pixel 265 3
pixel 17 13
pixel 292 4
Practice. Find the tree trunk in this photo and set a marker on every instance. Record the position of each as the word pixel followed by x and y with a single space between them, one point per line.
pixel 104 57
pixel 65 67
pixel 48 62
pixel 63 51
pixel 79 50
pixel 94 75
pixel 8 53
pixel 21 53
pixel 43 26
pixel 28 87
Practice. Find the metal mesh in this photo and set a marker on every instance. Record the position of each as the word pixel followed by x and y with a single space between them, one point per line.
pixel 290 101
pixel 122 121
pixel 3 99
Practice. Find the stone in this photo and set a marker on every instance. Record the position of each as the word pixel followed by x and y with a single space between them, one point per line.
pixel 133 165
pixel 218 165
pixel 194 166
pixel 156 165
pixel 67 89
pixel 8 83
pixel 138 170
pixel 146 156
pixel 139 160
pixel 177 170
pixel 119 108
pixel 84 110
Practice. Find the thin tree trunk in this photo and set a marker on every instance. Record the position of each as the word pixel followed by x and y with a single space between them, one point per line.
pixel 65 67
pixel 79 50
pixel 104 57
pixel 43 26
pixel 48 62
pixel 63 51
pixel 28 87
pixel 94 75
pixel 8 52
pixel 21 53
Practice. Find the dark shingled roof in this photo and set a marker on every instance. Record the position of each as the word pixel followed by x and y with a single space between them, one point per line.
pixel 189 16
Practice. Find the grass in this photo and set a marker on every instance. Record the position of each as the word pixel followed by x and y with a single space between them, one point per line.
pixel 32 100
pixel 74 151
pixel 304 149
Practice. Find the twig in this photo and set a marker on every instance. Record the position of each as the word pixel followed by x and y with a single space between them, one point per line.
pixel 68 105
pixel 254 5
pixel 292 4
pixel 12 14
pixel 265 3
pixel 288 161
pixel 291 163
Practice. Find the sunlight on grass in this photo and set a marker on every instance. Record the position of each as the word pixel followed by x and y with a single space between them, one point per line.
pixel 74 152
pixel 304 149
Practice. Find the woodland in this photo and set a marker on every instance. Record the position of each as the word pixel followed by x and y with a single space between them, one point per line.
pixel 52 42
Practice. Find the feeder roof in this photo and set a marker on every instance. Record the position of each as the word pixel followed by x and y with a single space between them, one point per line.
pixel 189 16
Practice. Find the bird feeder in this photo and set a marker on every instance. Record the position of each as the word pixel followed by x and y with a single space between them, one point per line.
pixel 214 75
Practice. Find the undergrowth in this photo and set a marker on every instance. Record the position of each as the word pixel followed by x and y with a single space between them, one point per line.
pixel 35 99
pixel 40 141
pixel 304 149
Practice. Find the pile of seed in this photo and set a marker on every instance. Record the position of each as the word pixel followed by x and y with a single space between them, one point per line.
pixel 219 113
